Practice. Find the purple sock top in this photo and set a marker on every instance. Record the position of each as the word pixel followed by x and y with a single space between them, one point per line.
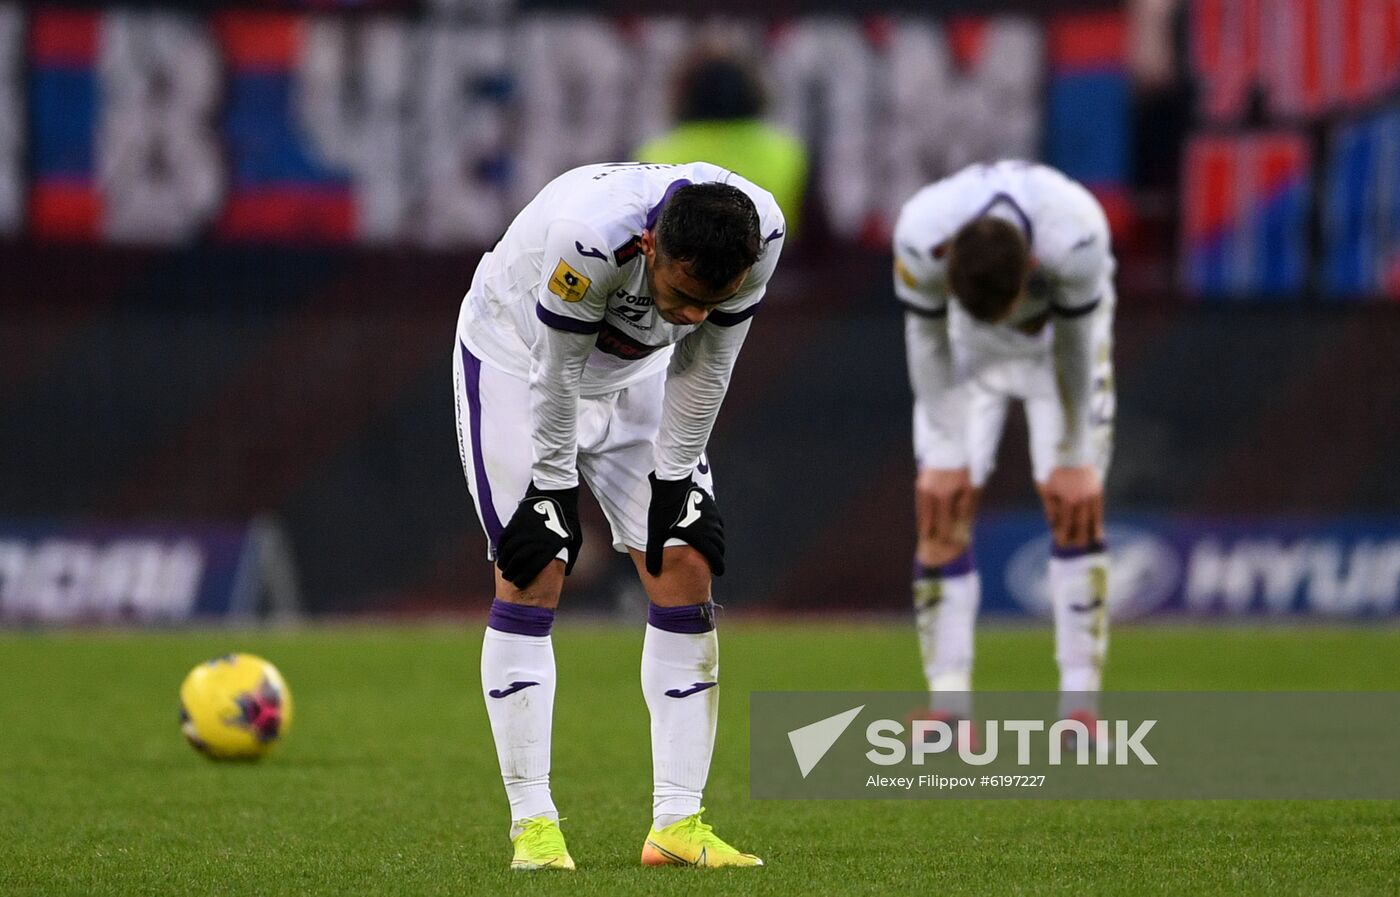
pixel 692 619
pixel 963 563
pixel 520 619
pixel 1067 553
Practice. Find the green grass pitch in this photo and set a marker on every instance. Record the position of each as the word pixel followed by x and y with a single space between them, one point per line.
pixel 388 784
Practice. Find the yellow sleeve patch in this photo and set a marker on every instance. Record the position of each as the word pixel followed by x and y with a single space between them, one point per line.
pixel 905 275
pixel 568 284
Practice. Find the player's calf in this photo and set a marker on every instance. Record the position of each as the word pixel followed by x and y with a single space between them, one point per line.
pixel 1079 599
pixel 680 681
pixel 946 597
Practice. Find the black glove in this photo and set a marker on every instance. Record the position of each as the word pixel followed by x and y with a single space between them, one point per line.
pixel 543 523
pixel 682 510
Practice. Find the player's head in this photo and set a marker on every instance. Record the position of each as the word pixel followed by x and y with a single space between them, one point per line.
pixel 701 249
pixel 717 85
pixel 988 263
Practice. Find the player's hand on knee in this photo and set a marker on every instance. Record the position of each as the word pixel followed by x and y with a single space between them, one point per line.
pixel 943 499
pixel 1074 505
pixel 682 510
pixel 544 522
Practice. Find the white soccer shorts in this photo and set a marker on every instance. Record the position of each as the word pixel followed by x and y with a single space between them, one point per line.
pixel 1031 379
pixel 616 448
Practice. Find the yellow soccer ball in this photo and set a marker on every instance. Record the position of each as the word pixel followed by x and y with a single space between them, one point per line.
pixel 235 707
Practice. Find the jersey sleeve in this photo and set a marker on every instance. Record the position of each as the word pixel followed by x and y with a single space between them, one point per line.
pixel 1085 275
pixel 1082 257
pixel 696 383
pixel 920 283
pixel 698 377
pixel 576 278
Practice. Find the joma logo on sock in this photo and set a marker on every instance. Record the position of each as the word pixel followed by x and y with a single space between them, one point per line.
pixel 694 689
pixel 512 689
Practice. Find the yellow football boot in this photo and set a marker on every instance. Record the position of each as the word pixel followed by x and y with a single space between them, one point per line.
pixel 691 842
pixel 540 845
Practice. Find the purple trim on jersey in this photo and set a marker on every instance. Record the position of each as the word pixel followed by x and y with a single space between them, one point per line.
pixel 958 566
pixel 655 214
pixel 924 312
pixel 521 619
pixel 1015 207
pixel 566 323
pixel 692 619
pixel 730 318
pixel 1079 312
pixel 1066 554
pixel 471 368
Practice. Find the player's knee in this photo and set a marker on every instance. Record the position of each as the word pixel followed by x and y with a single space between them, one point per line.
pixel 543 591
pixel 684 579
pixel 1075 547
pixel 686 564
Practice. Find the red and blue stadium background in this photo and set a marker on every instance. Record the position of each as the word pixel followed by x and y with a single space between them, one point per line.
pixel 278 364
pixel 277 190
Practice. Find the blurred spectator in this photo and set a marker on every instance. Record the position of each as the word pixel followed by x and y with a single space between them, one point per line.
pixel 719 105
pixel 1162 99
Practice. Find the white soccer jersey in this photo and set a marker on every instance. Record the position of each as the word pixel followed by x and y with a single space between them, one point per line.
pixel 1064 226
pixel 1061 326
pixel 570 265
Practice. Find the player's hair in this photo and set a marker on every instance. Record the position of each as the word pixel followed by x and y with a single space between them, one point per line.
pixel 712 227
pixel 987 265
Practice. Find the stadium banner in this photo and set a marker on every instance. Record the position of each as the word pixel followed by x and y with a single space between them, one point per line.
pixel 1019 745
pixel 1298 106
pixel 111 573
pixel 159 126
pixel 1280 568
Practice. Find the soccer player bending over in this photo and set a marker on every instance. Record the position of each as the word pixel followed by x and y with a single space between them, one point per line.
pixel 1006 275
pixel 596 343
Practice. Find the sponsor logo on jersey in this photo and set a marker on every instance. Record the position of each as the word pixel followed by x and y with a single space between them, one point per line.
pixel 615 342
pixel 635 310
pixel 905 275
pixel 567 283
pixel 632 316
pixel 628 251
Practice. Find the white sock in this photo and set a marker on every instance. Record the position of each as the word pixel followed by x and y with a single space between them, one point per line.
pixel 1079 595
pixel 680 678
pixel 517 682
pixel 945 616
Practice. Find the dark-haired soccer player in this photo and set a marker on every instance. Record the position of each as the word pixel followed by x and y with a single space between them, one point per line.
pixel 596 343
pixel 1006 274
